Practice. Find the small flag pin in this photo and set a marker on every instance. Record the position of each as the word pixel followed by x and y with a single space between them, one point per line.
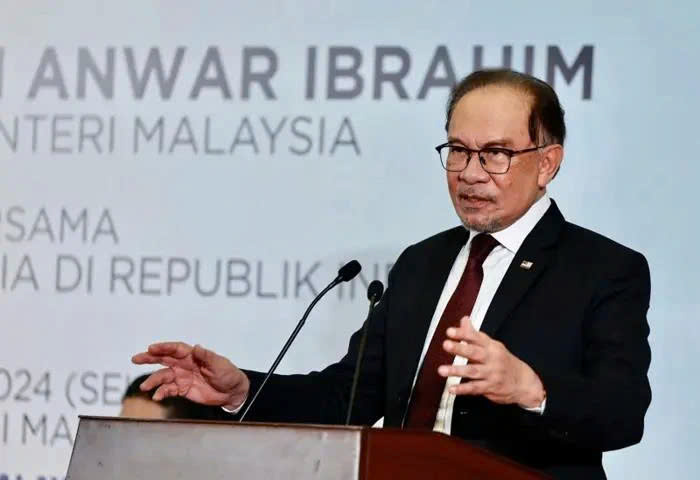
pixel 526 265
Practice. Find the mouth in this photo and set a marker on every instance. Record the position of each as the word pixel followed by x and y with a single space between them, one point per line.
pixel 473 201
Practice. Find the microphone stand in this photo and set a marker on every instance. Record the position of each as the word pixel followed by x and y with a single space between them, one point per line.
pixel 346 273
pixel 377 291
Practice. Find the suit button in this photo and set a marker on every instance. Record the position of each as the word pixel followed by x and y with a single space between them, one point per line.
pixel 464 412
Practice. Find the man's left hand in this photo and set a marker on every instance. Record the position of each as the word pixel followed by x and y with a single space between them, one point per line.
pixel 492 370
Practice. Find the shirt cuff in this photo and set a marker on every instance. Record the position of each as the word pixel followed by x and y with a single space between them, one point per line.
pixel 540 409
pixel 235 410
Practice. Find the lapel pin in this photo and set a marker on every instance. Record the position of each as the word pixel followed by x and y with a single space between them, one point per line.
pixel 526 265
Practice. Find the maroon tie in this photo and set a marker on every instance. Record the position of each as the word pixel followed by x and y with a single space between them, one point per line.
pixel 427 392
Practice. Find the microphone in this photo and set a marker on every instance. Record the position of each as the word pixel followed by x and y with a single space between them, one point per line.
pixel 347 272
pixel 374 294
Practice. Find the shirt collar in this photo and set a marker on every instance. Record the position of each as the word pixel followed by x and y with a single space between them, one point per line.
pixel 514 235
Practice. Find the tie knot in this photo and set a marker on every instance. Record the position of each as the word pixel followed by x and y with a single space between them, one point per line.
pixel 480 249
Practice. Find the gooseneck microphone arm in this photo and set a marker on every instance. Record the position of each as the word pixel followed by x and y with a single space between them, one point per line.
pixel 346 272
pixel 374 294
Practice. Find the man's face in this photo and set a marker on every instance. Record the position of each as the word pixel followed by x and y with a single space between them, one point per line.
pixel 494 116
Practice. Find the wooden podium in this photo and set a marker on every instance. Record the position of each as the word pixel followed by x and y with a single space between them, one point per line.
pixel 118 449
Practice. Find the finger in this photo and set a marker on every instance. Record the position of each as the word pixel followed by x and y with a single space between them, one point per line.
pixel 474 387
pixel 471 351
pixel 473 372
pixel 156 379
pixel 472 334
pixel 458 333
pixel 164 391
pixel 467 332
pixel 144 358
pixel 481 337
pixel 467 326
pixel 173 349
pixel 148 359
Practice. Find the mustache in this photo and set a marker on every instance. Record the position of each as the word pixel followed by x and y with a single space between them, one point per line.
pixel 474 194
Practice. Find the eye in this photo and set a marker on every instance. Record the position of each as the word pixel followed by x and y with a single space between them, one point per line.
pixel 495 152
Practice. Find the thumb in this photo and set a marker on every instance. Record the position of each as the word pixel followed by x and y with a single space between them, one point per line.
pixel 466 323
pixel 203 358
pixel 470 333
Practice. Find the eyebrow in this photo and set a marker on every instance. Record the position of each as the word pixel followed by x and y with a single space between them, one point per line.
pixel 497 142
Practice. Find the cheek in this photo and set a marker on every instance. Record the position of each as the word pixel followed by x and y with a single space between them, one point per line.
pixel 452 183
pixel 504 185
pixel 516 185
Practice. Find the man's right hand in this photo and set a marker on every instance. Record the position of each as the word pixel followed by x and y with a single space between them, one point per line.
pixel 195 373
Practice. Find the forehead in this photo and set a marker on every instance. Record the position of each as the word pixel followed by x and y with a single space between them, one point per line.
pixel 491 112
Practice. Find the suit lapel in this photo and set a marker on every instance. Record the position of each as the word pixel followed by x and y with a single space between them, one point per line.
pixel 530 261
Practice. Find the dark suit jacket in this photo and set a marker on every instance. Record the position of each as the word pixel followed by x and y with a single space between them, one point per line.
pixel 577 317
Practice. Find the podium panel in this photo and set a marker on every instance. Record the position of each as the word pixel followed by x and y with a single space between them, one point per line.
pixel 118 449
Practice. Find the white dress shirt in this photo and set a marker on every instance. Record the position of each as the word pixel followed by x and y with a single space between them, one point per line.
pixel 495 267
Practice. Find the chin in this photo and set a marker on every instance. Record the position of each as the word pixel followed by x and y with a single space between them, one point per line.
pixel 482 224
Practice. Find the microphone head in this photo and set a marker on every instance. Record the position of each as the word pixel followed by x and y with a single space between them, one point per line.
pixel 375 291
pixel 349 270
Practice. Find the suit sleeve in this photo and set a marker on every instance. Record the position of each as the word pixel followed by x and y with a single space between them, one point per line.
pixel 603 408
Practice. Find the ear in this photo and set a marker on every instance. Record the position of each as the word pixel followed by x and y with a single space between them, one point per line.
pixel 548 164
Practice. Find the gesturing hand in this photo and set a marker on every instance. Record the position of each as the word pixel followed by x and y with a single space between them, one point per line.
pixel 493 371
pixel 195 373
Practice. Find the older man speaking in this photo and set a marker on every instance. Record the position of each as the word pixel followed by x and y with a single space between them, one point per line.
pixel 517 331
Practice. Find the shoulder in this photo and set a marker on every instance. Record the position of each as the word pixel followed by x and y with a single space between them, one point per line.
pixel 424 253
pixel 451 237
pixel 599 251
pixel 578 236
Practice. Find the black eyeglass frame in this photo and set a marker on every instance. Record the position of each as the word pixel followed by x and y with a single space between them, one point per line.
pixel 507 151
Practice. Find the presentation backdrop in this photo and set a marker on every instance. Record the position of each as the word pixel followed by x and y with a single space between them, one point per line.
pixel 199 171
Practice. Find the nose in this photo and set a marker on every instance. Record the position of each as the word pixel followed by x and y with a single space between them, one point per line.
pixel 474 172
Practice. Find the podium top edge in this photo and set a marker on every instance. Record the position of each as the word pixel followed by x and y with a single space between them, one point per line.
pixel 270 424
pixel 221 422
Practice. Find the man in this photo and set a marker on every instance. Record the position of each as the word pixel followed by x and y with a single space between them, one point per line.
pixel 517 331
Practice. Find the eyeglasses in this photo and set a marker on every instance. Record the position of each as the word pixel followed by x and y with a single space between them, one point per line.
pixel 496 160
